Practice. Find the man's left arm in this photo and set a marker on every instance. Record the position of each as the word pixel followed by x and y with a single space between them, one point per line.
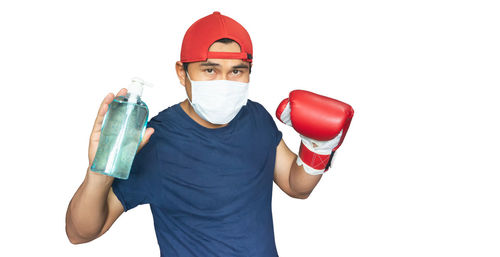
pixel 322 123
pixel 290 177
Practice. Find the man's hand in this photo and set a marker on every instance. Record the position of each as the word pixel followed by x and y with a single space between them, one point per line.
pixel 322 123
pixel 96 130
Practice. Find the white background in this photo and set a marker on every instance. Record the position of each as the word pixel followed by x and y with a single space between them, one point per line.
pixel 417 175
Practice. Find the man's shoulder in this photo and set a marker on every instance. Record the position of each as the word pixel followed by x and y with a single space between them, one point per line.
pixel 260 111
pixel 256 106
pixel 164 117
pixel 167 113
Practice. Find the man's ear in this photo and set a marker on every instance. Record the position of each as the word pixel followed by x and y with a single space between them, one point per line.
pixel 181 73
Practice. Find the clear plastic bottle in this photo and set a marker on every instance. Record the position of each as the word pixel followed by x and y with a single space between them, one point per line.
pixel 121 133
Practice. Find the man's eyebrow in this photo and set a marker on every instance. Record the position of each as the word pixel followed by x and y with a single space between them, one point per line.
pixel 212 64
pixel 209 64
pixel 240 66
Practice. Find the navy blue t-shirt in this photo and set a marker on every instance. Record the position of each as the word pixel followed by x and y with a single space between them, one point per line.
pixel 209 190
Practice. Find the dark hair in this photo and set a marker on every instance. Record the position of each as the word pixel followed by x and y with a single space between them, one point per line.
pixel 224 41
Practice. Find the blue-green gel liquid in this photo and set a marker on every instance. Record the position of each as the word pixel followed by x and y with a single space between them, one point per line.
pixel 121 133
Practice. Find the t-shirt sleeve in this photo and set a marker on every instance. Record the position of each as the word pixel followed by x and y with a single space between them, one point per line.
pixel 138 188
pixel 276 132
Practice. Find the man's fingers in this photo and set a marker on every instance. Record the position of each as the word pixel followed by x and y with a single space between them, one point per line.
pixel 122 92
pixel 103 108
pixel 145 139
pixel 147 135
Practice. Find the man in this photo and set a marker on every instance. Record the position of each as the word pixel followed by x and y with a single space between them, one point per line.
pixel 206 165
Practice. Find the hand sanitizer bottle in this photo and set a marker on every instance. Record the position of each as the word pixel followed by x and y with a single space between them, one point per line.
pixel 121 133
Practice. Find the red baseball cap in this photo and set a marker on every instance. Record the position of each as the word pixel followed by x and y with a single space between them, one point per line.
pixel 205 31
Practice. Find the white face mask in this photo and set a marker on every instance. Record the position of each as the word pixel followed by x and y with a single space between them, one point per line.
pixel 218 101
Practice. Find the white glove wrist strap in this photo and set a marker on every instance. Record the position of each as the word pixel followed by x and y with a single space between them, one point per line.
pixel 316 162
pixel 308 169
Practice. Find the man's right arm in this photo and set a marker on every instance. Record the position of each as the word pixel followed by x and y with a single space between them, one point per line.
pixel 93 209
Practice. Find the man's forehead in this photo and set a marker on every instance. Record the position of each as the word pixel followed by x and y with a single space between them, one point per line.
pixel 225 47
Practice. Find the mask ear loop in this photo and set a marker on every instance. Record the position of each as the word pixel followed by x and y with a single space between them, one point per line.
pixel 188 76
pixel 191 87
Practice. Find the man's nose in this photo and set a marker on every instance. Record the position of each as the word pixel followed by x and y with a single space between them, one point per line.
pixel 223 76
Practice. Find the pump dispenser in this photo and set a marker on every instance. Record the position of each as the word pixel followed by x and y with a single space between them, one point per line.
pixel 122 131
pixel 136 87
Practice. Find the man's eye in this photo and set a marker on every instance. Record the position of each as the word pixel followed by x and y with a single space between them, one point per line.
pixel 209 70
pixel 236 72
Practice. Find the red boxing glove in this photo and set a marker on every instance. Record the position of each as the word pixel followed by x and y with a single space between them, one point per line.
pixel 322 123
